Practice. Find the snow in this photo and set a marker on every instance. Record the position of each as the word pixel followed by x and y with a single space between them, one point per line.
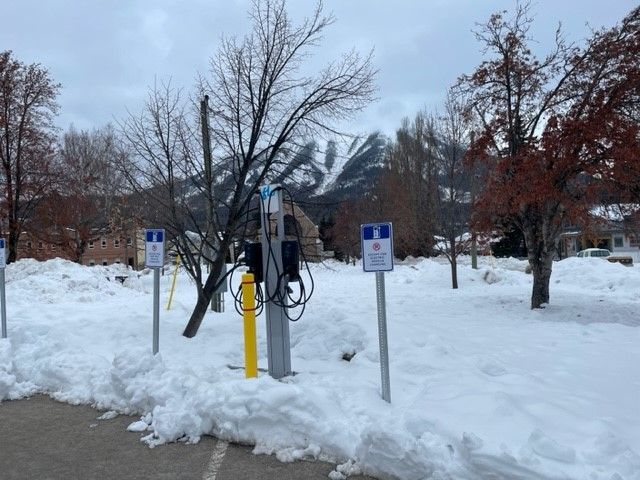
pixel 481 386
pixel 616 212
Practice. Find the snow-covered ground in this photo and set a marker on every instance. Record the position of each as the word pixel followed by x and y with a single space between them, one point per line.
pixel 481 386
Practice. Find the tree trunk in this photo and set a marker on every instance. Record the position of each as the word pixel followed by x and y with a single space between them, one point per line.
pixel 540 237
pixel 206 293
pixel 13 244
pixel 454 263
pixel 474 252
pixel 541 270
pixel 197 315
pixel 454 272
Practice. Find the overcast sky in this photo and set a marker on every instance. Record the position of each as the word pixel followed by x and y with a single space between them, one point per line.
pixel 107 53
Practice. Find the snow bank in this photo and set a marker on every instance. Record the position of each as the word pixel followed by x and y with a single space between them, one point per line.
pixel 481 386
pixel 10 387
pixel 58 280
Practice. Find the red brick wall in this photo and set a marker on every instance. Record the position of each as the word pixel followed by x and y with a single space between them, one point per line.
pixel 104 250
pixel 108 249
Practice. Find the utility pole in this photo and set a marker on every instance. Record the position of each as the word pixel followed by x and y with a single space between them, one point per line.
pixel 217 301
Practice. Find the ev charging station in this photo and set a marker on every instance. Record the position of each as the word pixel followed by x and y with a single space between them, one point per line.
pixel 274 261
pixel 3 298
pixel 278 340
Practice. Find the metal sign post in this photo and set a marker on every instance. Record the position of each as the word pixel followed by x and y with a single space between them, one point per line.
pixel 217 300
pixel 3 298
pixel 154 258
pixel 377 256
pixel 278 342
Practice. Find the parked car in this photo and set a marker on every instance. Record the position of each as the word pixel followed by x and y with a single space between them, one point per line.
pixel 604 253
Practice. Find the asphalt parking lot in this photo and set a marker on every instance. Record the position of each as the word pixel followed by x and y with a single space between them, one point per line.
pixel 44 439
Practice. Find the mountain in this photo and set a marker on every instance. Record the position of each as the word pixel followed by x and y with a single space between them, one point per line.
pixel 320 185
pixel 318 177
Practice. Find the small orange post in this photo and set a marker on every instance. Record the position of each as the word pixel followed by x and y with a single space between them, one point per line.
pixel 249 316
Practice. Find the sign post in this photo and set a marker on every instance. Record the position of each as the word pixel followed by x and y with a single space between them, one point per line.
pixel 3 298
pixel 154 258
pixel 377 256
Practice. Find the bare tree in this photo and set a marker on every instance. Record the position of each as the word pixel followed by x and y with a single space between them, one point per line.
pixel 263 106
pixel 27 136
pixel 164 168
pixel 84 193
pixel 452 132
pixel 410 183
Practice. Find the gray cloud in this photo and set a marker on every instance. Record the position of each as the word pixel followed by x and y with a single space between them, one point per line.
pixel 106 53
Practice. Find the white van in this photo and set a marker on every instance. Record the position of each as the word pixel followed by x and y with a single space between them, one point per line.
pixel 604 253
pixel 594 252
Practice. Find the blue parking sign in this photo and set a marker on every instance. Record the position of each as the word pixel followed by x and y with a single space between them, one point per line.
pixel 154 248
pixel 377 247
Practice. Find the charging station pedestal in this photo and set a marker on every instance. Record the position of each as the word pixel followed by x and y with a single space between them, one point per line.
pixel 278 343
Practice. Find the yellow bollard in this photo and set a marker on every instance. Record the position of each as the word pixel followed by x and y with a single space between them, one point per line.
pixel 173 283
pixel 249 315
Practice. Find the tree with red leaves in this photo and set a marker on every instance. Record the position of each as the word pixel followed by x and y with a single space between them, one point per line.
pixel 558 133
pixel 345 233
pixel 27 135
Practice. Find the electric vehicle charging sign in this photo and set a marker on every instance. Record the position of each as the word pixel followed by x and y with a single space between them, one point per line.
pixel 3 261
pixel 270 200
pixel 377 247
pixel 154 248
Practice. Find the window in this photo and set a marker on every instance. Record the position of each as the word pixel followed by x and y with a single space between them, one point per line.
pixel 40 246
pixel 104 262
pixel 129 241
pixel 580 254
pixel 116 243
pixel 103 242
pixel 618 242
pixel 29 246
pixel 118 261
pixel 91 263
pixel 91 245
pixel 289 225
pixel 53 247
pixel 634 241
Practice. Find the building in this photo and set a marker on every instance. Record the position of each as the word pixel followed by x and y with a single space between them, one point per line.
pixel 113 247
pixel 614 231
pixel 614 239
pixel 105 247
pixel 298 226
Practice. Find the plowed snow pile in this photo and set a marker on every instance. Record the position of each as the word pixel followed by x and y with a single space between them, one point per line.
pixel 481 386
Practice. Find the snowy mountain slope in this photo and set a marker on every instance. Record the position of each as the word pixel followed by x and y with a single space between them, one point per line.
pixel 481 386
pixel 331 175
pixel 359 172
pixel 314 174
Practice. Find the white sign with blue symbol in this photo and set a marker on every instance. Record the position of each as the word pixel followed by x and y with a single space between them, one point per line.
pixel 3 261
pixel 269 196
pixel 154 248
pixel 377 247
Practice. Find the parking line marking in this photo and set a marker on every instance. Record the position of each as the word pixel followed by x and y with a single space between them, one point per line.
pixel 215 461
